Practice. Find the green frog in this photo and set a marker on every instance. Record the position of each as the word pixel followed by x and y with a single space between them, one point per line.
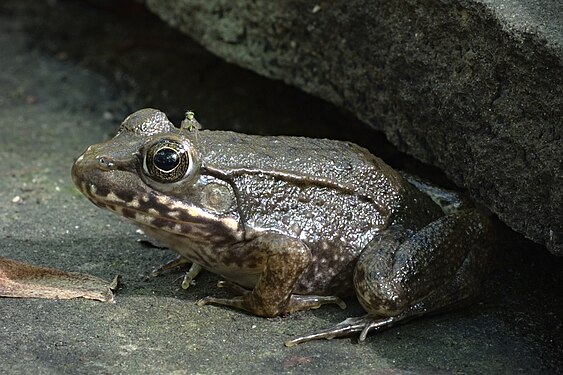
pixel 290 223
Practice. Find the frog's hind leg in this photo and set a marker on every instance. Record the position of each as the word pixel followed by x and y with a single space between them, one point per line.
pixel 399 278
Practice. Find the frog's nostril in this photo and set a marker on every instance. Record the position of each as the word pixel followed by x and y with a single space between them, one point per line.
pixel 105 162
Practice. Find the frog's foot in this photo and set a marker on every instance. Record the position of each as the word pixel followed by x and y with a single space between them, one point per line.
pixel 301 302
pixel 297 302
pixel 177 262
pixel 363 324
pixel 247 302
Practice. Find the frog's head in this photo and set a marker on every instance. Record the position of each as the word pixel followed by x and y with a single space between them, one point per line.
pixel 150 172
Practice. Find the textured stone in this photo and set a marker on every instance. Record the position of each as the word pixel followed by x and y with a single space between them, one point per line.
pixel 473 87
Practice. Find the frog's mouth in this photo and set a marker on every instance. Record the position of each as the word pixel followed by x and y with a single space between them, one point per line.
pixel 120 192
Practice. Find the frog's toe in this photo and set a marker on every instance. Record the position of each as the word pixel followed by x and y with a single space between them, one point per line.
pixel 177 262
pixel 189 277
pixel 236 302
pixel 307 302
pixel 234 288
pixel 363 324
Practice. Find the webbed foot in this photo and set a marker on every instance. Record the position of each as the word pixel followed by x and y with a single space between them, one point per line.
pixel 363 324
pixel 248 302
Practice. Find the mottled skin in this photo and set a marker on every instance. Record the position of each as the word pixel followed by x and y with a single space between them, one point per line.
pixel 291 223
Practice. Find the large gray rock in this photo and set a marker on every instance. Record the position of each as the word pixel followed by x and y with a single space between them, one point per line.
pixel 473 87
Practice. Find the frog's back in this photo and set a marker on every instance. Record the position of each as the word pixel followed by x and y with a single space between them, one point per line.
pixel 310 160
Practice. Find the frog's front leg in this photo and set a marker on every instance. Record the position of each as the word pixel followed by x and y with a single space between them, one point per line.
pixel 178 262
pixel 283 260
pixel 399 277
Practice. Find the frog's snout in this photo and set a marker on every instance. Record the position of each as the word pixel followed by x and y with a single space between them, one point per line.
pixel 79 171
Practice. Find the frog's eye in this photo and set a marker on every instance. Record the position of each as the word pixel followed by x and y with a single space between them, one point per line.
pixel 167 161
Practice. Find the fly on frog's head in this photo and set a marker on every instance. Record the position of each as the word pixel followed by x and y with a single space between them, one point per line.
pixel 190 123
pixel 191 127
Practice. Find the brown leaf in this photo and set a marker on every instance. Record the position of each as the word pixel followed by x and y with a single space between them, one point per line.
pixel 22 280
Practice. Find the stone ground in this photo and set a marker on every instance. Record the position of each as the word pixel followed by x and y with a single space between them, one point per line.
pixel 69 72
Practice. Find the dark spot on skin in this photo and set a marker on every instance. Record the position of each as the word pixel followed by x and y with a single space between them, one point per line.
pixel 126 195
pixel 102 190
pixel 164 223
pixel 128 213
pixel 183 216
pixel 152 203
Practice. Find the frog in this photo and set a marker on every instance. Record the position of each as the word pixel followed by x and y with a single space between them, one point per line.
pixel 291 223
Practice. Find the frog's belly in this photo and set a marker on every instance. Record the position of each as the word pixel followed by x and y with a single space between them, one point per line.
pixel 206 255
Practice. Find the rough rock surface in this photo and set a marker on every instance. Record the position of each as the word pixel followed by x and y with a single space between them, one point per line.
pixel 473 87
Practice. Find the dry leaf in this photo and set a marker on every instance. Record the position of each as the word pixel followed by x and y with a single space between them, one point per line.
pixel 22 280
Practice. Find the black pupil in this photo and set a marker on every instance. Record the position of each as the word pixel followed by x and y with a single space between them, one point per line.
pixel 166 159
